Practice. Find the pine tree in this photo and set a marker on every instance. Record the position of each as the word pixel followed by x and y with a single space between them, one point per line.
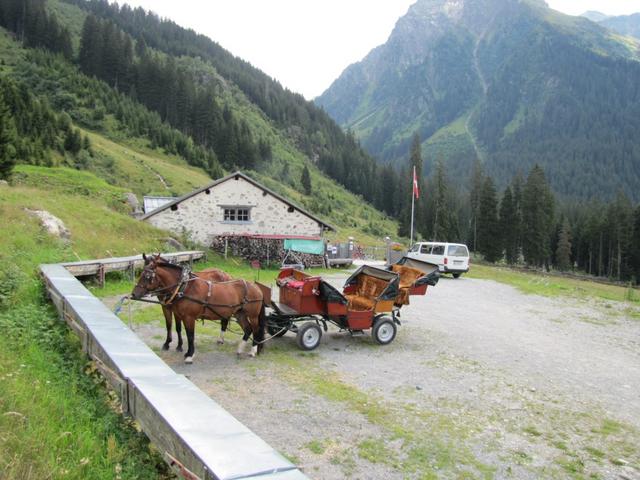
pixel 635 246
pixel 305 180
pixel 488 226
pixel 517 187
pixel 621 232
pixel 415 158
pixel 509 226
pixel 563 250
pixel 73 141
pixel 7 141
pixel 475 189
pixel 90 46
pixel 441 213
pixel 537 218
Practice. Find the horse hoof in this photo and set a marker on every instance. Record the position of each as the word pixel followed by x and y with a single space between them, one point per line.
pixel 188 360
pixel 220 341
pixel 178 349
pixel 165 347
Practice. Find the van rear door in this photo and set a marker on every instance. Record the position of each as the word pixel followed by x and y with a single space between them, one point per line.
pixel 457 257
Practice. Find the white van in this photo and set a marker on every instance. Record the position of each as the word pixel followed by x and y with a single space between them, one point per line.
pixel 450 257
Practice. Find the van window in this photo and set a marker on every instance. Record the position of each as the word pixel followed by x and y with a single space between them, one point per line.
pixel 458 251
pixel 415 247
pixel 437 250
pixel 425 249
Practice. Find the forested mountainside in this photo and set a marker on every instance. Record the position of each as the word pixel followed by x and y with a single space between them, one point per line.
pixel 624 24
pixel 510 82
pixel 184 97
pixel 97 79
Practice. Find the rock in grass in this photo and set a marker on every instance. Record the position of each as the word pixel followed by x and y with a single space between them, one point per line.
pixel 133 203
pixel 174 244
pixel 51 224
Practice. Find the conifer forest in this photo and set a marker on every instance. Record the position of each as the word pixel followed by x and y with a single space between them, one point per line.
pixel 142 70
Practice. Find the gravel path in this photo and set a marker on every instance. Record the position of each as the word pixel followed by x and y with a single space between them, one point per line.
pixel 481 382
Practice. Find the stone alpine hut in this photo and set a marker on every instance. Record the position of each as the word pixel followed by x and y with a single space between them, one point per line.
pixel 239 214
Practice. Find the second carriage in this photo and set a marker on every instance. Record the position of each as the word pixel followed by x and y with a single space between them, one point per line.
pixel 370 299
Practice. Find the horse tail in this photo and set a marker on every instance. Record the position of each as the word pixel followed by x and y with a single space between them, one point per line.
pixel 262 326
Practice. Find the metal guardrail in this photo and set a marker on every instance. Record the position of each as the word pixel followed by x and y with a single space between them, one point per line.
pixel 197 436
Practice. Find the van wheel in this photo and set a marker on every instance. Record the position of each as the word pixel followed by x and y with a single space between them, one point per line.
pixel 456 275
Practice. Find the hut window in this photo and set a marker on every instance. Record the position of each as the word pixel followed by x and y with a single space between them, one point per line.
pixel 237 214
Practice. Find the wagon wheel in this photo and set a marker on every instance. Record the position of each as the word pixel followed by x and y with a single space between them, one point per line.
pixel 277 331
pixel 309 335
pixel 384 331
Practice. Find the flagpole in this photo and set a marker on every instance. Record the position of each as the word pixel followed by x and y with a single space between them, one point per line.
pixel 413 203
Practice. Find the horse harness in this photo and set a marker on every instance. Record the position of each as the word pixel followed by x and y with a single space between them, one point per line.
pixel 179 294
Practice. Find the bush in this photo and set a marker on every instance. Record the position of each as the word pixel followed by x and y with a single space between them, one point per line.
pixel 10 279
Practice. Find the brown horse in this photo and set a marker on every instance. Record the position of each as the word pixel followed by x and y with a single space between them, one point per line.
pixel 191 297
pixel 212 274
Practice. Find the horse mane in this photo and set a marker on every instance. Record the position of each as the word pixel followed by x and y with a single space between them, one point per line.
pixel 164 263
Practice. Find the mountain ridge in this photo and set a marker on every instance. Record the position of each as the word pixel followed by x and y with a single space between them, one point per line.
pixel 503 75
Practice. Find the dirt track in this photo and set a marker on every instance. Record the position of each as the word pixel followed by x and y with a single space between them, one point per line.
pixel 481 382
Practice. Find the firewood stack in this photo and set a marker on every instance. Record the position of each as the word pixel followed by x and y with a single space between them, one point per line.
pixel 267 251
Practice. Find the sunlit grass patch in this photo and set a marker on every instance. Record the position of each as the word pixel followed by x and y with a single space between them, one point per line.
pixel 553 285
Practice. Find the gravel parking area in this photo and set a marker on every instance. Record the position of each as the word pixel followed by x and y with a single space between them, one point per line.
pixel 481 382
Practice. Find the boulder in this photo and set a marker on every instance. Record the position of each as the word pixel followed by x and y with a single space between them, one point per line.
pixel 174 244
pixel 4 183
pixel 51 224
pixel 133 202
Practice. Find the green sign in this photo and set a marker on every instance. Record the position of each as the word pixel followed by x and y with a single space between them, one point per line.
pixel 315 247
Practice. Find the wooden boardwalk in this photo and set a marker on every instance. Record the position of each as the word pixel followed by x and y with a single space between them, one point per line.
pixel 100 267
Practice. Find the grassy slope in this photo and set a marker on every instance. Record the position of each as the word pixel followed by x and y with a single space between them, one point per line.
pixel 55 421
pixel 134 166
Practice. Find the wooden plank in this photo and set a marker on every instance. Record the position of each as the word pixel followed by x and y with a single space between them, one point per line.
pixel 119 264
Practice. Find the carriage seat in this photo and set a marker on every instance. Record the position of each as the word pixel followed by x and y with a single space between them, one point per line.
pixel 359 303
pixel 408 275
pixel 367 292
pixel 297 284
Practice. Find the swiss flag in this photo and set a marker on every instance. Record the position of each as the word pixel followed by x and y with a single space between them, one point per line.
pixel 416 191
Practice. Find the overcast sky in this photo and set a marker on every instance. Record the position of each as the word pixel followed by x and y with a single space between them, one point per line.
pixel 307 44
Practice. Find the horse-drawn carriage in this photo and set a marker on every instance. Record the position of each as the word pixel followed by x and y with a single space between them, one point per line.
pixel 370 299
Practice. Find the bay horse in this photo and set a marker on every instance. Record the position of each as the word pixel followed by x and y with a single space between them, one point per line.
pixel 212 274
pixel 191 297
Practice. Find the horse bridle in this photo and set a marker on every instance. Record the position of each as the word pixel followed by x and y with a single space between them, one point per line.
pixel 150 275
